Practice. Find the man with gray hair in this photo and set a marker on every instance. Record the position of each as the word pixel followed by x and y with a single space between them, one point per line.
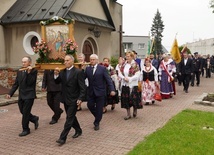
pixel 26 82
pixel 98 78
pixel 73 93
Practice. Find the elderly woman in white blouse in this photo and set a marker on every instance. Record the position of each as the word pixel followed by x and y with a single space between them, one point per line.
pixel 130 97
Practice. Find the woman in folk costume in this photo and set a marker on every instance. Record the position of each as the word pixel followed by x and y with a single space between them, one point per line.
pixel 166 69
pixel 110 100
pixel 121 60
pixel 130 97
pixel 149 78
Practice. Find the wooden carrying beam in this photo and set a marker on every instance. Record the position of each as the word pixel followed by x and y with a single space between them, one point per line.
pixel 52 66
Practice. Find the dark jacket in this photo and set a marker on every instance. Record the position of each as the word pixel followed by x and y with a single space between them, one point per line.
pixel 73 88
pixel 26 82
pixel 197 64
pixel 49 83
pixel 186 69
pixel 155 63
pixel 99 81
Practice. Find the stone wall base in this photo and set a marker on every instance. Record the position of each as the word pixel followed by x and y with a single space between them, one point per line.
pixel 8 76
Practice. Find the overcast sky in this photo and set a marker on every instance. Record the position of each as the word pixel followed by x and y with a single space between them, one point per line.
pixel 190 19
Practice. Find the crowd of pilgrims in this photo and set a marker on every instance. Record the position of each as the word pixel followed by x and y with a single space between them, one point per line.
pixel 133 83
pixel 137 81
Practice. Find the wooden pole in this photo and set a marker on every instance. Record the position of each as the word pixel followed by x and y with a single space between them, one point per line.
pixel 121 43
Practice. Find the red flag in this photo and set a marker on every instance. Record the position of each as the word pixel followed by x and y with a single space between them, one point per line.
pixel 184 49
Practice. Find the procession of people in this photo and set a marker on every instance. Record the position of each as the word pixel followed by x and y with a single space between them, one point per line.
pixel 133 83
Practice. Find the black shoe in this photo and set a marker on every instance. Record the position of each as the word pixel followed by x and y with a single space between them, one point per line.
pixel 24 133
pixel 112 107
pixel 61 111
pixel 192 85
pixel 60 141
pixel 153 102
pixel 127 117
pixel 135 114
pixel 36 123
pixel 96 127
pixel 147 103
pixel 186 91
pixel 52 122
pixel 77 134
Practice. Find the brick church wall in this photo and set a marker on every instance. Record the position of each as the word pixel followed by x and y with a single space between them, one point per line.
pixel 8 77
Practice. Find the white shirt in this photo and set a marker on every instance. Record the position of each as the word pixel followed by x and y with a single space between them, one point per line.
pixel 94 68
pixel 185 61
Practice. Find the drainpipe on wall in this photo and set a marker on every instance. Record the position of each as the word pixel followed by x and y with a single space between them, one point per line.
pixel 121 41
pixel 2 49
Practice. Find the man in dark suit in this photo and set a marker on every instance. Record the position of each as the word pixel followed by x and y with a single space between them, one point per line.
pixel 154 61
pixel 98 77
pixel 197 67
pixel 26 82
pixel 73 93
pixel 53 94
pixel 186 71
pixel 138 60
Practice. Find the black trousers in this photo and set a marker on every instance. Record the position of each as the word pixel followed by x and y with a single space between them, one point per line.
pixel 25 107
pixel 197 75
pixel 186 80
pixel 71 121
pixel 95 105
pixel 208 73
pixel 202 72
pixel 53 99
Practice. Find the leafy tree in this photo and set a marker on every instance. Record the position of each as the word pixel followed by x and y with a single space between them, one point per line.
pixel 156 32
pixel 114 61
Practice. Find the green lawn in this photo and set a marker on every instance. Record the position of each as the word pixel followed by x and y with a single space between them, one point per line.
pixel 188 133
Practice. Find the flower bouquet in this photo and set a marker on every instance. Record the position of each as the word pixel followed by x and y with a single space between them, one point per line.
pixel 42 49
pixel 70 47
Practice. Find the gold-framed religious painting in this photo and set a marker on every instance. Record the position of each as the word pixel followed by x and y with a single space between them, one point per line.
pixel 56 32
pixel 57 41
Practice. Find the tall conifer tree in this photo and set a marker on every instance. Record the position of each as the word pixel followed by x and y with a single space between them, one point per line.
pixel 156 32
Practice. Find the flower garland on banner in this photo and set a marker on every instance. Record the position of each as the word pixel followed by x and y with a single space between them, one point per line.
pixel 57 19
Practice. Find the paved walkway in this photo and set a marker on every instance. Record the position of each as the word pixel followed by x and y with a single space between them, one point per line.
pixel 115 137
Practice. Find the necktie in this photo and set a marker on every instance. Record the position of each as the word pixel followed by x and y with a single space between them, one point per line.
pixel 67 73
pixel 92 70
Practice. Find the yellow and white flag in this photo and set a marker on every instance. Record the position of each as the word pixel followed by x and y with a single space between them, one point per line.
pixel 175 52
